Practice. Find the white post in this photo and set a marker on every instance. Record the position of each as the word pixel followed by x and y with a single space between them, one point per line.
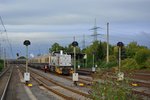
pixel 119 58
pixel 120 74
pixel 4 57
pixel 93 68
pixel 93 60
pixel 86 61
pixel 107 42
pixel 74 48
pixel 26 74
pixel 49 61
pixel 26 58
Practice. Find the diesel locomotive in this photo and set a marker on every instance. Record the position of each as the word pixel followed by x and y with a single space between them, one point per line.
pixel 57 62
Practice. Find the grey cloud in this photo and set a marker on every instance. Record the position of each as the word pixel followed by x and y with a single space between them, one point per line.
pixel 48 19
pixel 61 12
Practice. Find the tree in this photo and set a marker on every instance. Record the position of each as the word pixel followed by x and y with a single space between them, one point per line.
pixel 97 48
pixel 132 48
pixel 21 57
pixel 142 56
pixel 56 47
pixel 1 64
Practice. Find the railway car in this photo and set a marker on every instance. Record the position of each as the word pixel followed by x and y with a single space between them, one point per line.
pixel 57 62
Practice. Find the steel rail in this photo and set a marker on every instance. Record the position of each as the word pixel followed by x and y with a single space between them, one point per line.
pixel 6 86
pixel 52 90
pixel 3 72
pixel 72 90
pixel 47 87
pixel 75 91
pixel 80 81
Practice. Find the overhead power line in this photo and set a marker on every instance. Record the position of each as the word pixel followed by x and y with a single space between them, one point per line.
pixel 95 28
pixel 11 50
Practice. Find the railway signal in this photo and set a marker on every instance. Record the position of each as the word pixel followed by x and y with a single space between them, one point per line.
pixel 26 74
pixel 120 74
pixel 75 75
pixel 17 55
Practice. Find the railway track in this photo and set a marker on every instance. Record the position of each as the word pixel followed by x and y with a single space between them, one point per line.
pixel 5 77
pixel 83 80
pixel 139 78
pixel 67 93
pixel 85 72
pixel 139 81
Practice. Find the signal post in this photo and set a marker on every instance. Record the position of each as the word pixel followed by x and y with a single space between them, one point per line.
pixel 75 75
pixel 26 74
pixel 120 74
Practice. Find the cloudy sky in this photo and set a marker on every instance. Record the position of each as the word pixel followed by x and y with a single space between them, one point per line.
pixel 45 22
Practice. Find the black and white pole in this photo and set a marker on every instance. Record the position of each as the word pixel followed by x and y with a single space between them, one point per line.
pixel 26 74
pixel 75 75
pixel 120 74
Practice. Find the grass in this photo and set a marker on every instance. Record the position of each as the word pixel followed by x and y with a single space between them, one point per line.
pixel 108 88
pixel 1 64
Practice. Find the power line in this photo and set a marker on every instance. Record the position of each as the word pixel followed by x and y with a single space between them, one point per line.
pixel 95 31
pixel 11 50
pixel 2 24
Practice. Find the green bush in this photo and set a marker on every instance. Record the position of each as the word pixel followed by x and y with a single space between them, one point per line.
pixel 1 64
pixel 112 58
pixel 129 64
pixel 106 88
pixel 147 64
pixel 108 65
pixel 142 56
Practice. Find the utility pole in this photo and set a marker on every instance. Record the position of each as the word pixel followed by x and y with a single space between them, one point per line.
pixel 0 51
pixel 107 42
pixel 83 46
